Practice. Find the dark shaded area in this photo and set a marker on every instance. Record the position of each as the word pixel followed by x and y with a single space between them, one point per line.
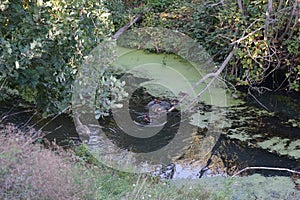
pixel 138 110
pixel 237 156
pixel 282 103
pixel 276 80
pixel 60 129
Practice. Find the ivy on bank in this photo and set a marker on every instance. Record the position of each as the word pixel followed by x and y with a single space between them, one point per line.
pixel 267 34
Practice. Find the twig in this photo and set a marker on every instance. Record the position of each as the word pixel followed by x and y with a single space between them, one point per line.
pixel 240 4
pixel 214 75
pixel 16 113
pixel 245 37
pixel 279 5
pixel 287 28
pixel 196 85
pixel 225 82
pixel 216 4
pixel 46 124
pixel 262 105
pixel 278 88
pixel 29 120
pixel 297 15
pixel 124 28
pixel 266 168
pixel 140 187
pixel 268 19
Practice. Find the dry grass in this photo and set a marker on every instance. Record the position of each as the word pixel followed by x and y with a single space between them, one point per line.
pixel 31 172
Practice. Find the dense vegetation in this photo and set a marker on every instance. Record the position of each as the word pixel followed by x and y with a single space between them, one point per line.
pixel 43 43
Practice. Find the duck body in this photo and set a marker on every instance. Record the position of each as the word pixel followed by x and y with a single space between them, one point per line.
pixel 155 110
pixel 158 106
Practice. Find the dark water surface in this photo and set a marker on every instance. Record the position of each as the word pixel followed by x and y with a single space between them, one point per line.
pixel 253 137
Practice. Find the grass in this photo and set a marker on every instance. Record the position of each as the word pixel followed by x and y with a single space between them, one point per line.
pixel 30 171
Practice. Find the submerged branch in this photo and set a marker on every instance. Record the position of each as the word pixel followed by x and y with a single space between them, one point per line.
pixel 266 168
pixel 213 74
pixel 261 104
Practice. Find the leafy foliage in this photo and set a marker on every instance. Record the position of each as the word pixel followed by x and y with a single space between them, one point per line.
pixel 268 44
pixel 120 15
pixel 43 44
pixel 159 5
pixel 96 89
pixel 110 93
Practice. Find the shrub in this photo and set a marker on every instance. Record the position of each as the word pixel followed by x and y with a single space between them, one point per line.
pixel 29 171
pixel 42 44
pixel 267 55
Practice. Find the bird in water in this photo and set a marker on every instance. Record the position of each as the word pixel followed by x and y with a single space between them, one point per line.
pixel 82 130
pixel 151 103
pixel 158 105
pixel 155 108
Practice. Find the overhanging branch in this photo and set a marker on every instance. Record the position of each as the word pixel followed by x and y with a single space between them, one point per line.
pixel 213 74
pixel 137 18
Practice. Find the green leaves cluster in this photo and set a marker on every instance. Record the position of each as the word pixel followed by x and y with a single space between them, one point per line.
pixel 159 5
pixel 120 15
pixel 42 44
pixel 110 93
pixel 268 46
pixel 96 89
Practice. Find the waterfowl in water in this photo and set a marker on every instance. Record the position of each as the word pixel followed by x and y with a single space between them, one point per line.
pixel 158 106
pixel 151 103
pixel 82 130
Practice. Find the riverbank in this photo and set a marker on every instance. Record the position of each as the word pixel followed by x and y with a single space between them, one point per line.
pixel 30 171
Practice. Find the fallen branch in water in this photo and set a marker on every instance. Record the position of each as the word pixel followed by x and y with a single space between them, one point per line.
pixel 266 168
pixel 213 74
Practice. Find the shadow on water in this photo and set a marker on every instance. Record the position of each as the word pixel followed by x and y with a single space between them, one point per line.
pixel 279 102
pixel 236 156
pixel 138 112
pixel 60 129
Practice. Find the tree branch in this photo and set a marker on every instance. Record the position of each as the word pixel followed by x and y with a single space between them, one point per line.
pixel 245 37
pixel 213 74
pixel 287 28
pixel 240 4
pixel 266 168
pixel 137 18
